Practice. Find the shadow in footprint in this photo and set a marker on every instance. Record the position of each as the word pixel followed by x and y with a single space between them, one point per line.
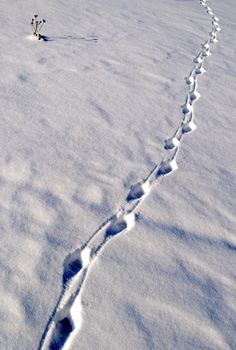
pixel 138 190
pixel 121 224
pixel 71 269
pixel 61 333
pixel 116 228
pixel 167 167
pixel 135 192
pixel 75 262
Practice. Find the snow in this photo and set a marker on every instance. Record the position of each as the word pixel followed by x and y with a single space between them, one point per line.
pixel 99 249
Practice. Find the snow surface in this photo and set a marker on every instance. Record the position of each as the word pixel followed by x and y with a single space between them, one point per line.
pixel 84 116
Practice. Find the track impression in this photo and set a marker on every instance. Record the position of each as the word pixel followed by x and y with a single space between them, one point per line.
pixel 66 319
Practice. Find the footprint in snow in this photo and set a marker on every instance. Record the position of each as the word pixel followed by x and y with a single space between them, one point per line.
pixel 138 190
pixel 61 333
pixel 75 262
pixel 120 224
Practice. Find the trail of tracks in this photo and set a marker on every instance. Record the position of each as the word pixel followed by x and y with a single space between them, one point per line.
pixel 66 319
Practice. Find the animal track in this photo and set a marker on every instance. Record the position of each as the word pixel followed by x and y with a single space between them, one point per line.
pixel 167 166
pixel 75 262
pixel 200 69
pixel 172 142
pixel 66 318
pixel 120 224
pixel 188 126
pixel 139 190
pixel 194 94
pixel 61 333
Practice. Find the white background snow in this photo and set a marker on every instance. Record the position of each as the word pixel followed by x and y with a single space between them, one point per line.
pixel 83 117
